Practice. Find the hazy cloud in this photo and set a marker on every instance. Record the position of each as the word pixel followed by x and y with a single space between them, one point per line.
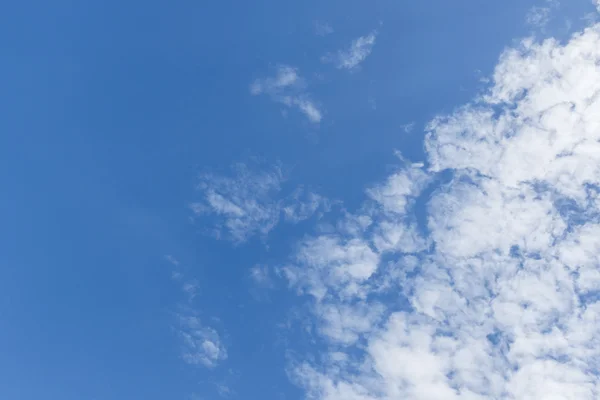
pixel 323 28
pixel 199 344
pixel 289 89
pixel 352 57
pixel 251 201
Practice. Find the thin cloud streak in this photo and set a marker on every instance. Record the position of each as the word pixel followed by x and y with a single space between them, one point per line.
pixel 288 88
pixel 352 57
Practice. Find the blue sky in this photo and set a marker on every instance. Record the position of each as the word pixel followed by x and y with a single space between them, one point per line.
pixel 286 200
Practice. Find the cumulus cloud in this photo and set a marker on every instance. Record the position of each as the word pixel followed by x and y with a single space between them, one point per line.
pixel 499 298
pixel 289 89
pixel 352 57
pixel 250 201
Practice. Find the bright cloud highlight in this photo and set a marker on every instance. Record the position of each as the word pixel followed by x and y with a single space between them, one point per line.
pixel 499 297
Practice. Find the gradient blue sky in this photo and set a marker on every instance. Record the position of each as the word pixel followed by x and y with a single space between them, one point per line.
pixel 121 119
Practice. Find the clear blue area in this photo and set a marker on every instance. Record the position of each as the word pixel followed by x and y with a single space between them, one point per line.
pixel 109 110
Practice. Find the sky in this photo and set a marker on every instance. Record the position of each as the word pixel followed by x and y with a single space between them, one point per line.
pixel 323 200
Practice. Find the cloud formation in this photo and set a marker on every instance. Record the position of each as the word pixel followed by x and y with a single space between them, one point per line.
pixel 289 89
pixel 538 17
pixel 199 344
pixel 499 296
pixel 261 275
pixel 352 57
pixel 323 28
pixel 250 201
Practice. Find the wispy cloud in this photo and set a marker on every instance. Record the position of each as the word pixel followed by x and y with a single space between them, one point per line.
pixel 408 128
pixel 261 275
pixel 539 16
pixel 310 109
pixel 323 28
pixel 199 344
pixel 289 89
pixel 498 298
pixel 250 201
pixel 225 390
pixel 172 260
pixel 303 204
pixel 285 77
pixel 352 57
pixel 245 203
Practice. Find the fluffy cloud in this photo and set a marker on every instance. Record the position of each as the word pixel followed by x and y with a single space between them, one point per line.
pixel 288 88
pixel 500 297
pixel 250 202
pixel 352 57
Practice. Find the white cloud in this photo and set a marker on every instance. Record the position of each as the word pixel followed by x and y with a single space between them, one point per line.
pixel 288 88
pixel 250 202
pixel 302 204
pixel 224 390
pixel 394 194
pixel 408 128
pixel 172 260
pixel 505 303
pixel 190 289
pixel 538 17
pixel 200 345
pixel 323 28
pixel 358 51
pixel 261 275
pixel 309 109
pixel 245 204
pixel 345 323
pixel 332 266
pixel 285 77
